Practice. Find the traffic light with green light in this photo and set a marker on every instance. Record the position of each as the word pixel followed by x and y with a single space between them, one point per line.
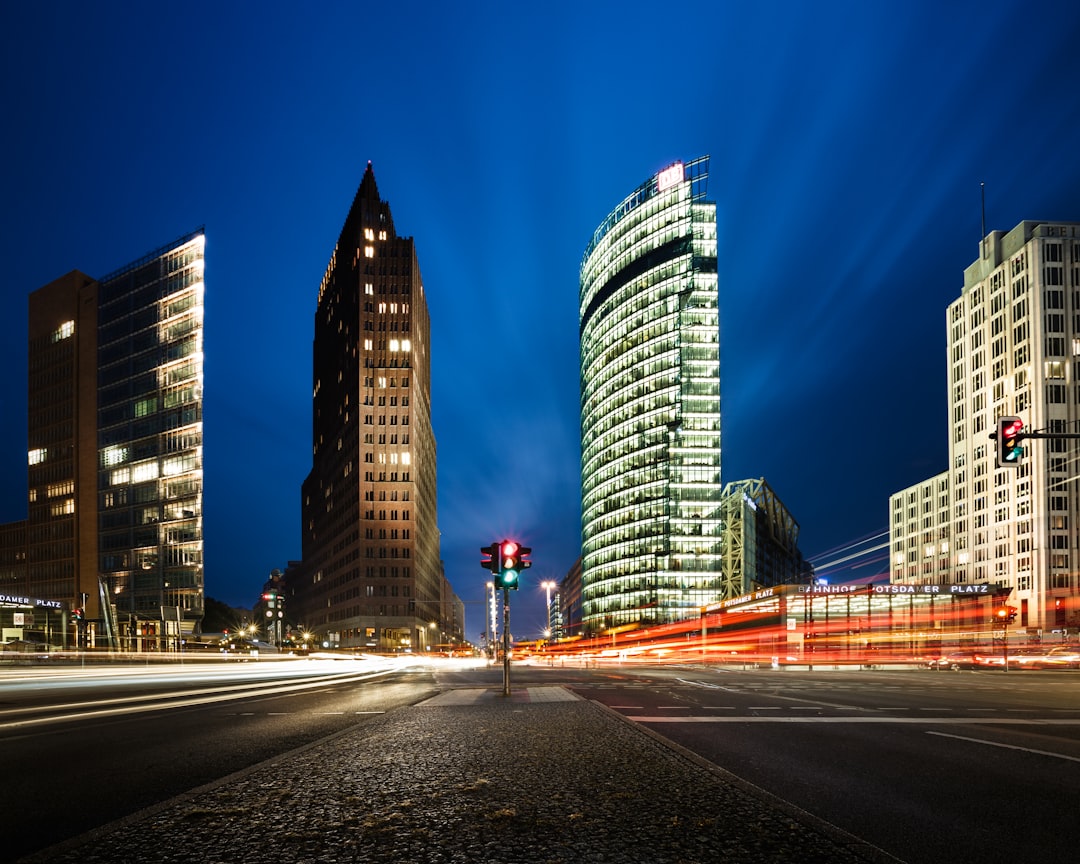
pixel 509 564
pixel 513 558
pixel 1009 434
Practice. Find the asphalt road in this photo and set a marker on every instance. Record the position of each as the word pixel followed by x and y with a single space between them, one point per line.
pixel 929 766
pixel 81 750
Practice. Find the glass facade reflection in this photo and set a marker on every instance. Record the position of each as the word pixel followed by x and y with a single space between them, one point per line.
pixel 150 423
pixel 650 405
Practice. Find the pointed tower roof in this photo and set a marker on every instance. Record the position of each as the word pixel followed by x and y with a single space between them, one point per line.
pixel 368 189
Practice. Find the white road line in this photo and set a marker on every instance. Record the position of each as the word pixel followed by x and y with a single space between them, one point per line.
pixel 908 721
pixel 1007 746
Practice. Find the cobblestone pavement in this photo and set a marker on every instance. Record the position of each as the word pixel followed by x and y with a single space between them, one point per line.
pixel 539 777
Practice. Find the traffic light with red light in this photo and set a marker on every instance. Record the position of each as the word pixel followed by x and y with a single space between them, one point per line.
pixel 1009 434
pixel 509 564
pixel 78 614
pixel 1004 615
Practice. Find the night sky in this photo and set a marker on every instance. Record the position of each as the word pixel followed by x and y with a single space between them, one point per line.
pixel 847 142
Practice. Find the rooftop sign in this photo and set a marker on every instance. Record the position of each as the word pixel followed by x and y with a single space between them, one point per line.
pixel 670 177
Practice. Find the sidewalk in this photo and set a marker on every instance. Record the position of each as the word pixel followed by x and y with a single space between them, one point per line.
pixel 474 777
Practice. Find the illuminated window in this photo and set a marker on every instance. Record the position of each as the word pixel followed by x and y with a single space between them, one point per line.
pixel 37 455
pixel 55 490
pixel 369 251
pixel 63 508
pixel 64 331
pixel 369 234
pixel 406 345
pixel 395 345
pixel 143 471
pixel 179 464
pixel 369 288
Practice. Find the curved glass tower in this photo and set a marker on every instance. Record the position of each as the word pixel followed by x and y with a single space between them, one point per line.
pixel 650 406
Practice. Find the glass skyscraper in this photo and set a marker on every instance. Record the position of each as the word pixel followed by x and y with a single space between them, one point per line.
pixel 650 406
pixel 114 435
pixel 150 439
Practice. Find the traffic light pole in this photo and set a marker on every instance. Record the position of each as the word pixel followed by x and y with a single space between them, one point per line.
pixel 506 642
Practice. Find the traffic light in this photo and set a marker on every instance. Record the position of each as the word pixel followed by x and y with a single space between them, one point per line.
pixel 509 564
pixel 78 614
pixel 1010 432
pixel 491 559
pixel 1004 615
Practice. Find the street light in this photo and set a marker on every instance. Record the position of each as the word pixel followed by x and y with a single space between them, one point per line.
pixel 548 586
pixel 492 623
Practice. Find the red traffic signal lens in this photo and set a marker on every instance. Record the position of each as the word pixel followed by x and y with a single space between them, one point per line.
pixel 509 549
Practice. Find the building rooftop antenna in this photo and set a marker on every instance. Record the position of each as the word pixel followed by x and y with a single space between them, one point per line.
pixel 982 235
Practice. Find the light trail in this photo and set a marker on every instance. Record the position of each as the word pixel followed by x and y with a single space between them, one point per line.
pixel 169 700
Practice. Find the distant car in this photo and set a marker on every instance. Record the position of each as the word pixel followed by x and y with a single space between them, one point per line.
pixel 967 660
pixel 1029 658
pixel 1063 656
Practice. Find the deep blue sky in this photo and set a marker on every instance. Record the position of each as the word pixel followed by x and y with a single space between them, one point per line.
pixel 847 143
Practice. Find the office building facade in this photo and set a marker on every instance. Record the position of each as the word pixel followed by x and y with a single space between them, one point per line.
pixel 650 406
pixel 371 575
pixel 760 541
pixel 114 525
pixel 1013 350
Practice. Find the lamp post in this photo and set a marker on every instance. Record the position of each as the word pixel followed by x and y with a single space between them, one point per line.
pixel 492 627
pixel 548 587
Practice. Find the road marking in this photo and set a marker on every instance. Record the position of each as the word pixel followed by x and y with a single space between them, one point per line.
pixel 910 721
pixel 1007 746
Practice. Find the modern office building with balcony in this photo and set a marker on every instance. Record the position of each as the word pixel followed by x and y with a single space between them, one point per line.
pixel 1013 350
pixel 371 574
pixel 114 525
pixel 650 406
